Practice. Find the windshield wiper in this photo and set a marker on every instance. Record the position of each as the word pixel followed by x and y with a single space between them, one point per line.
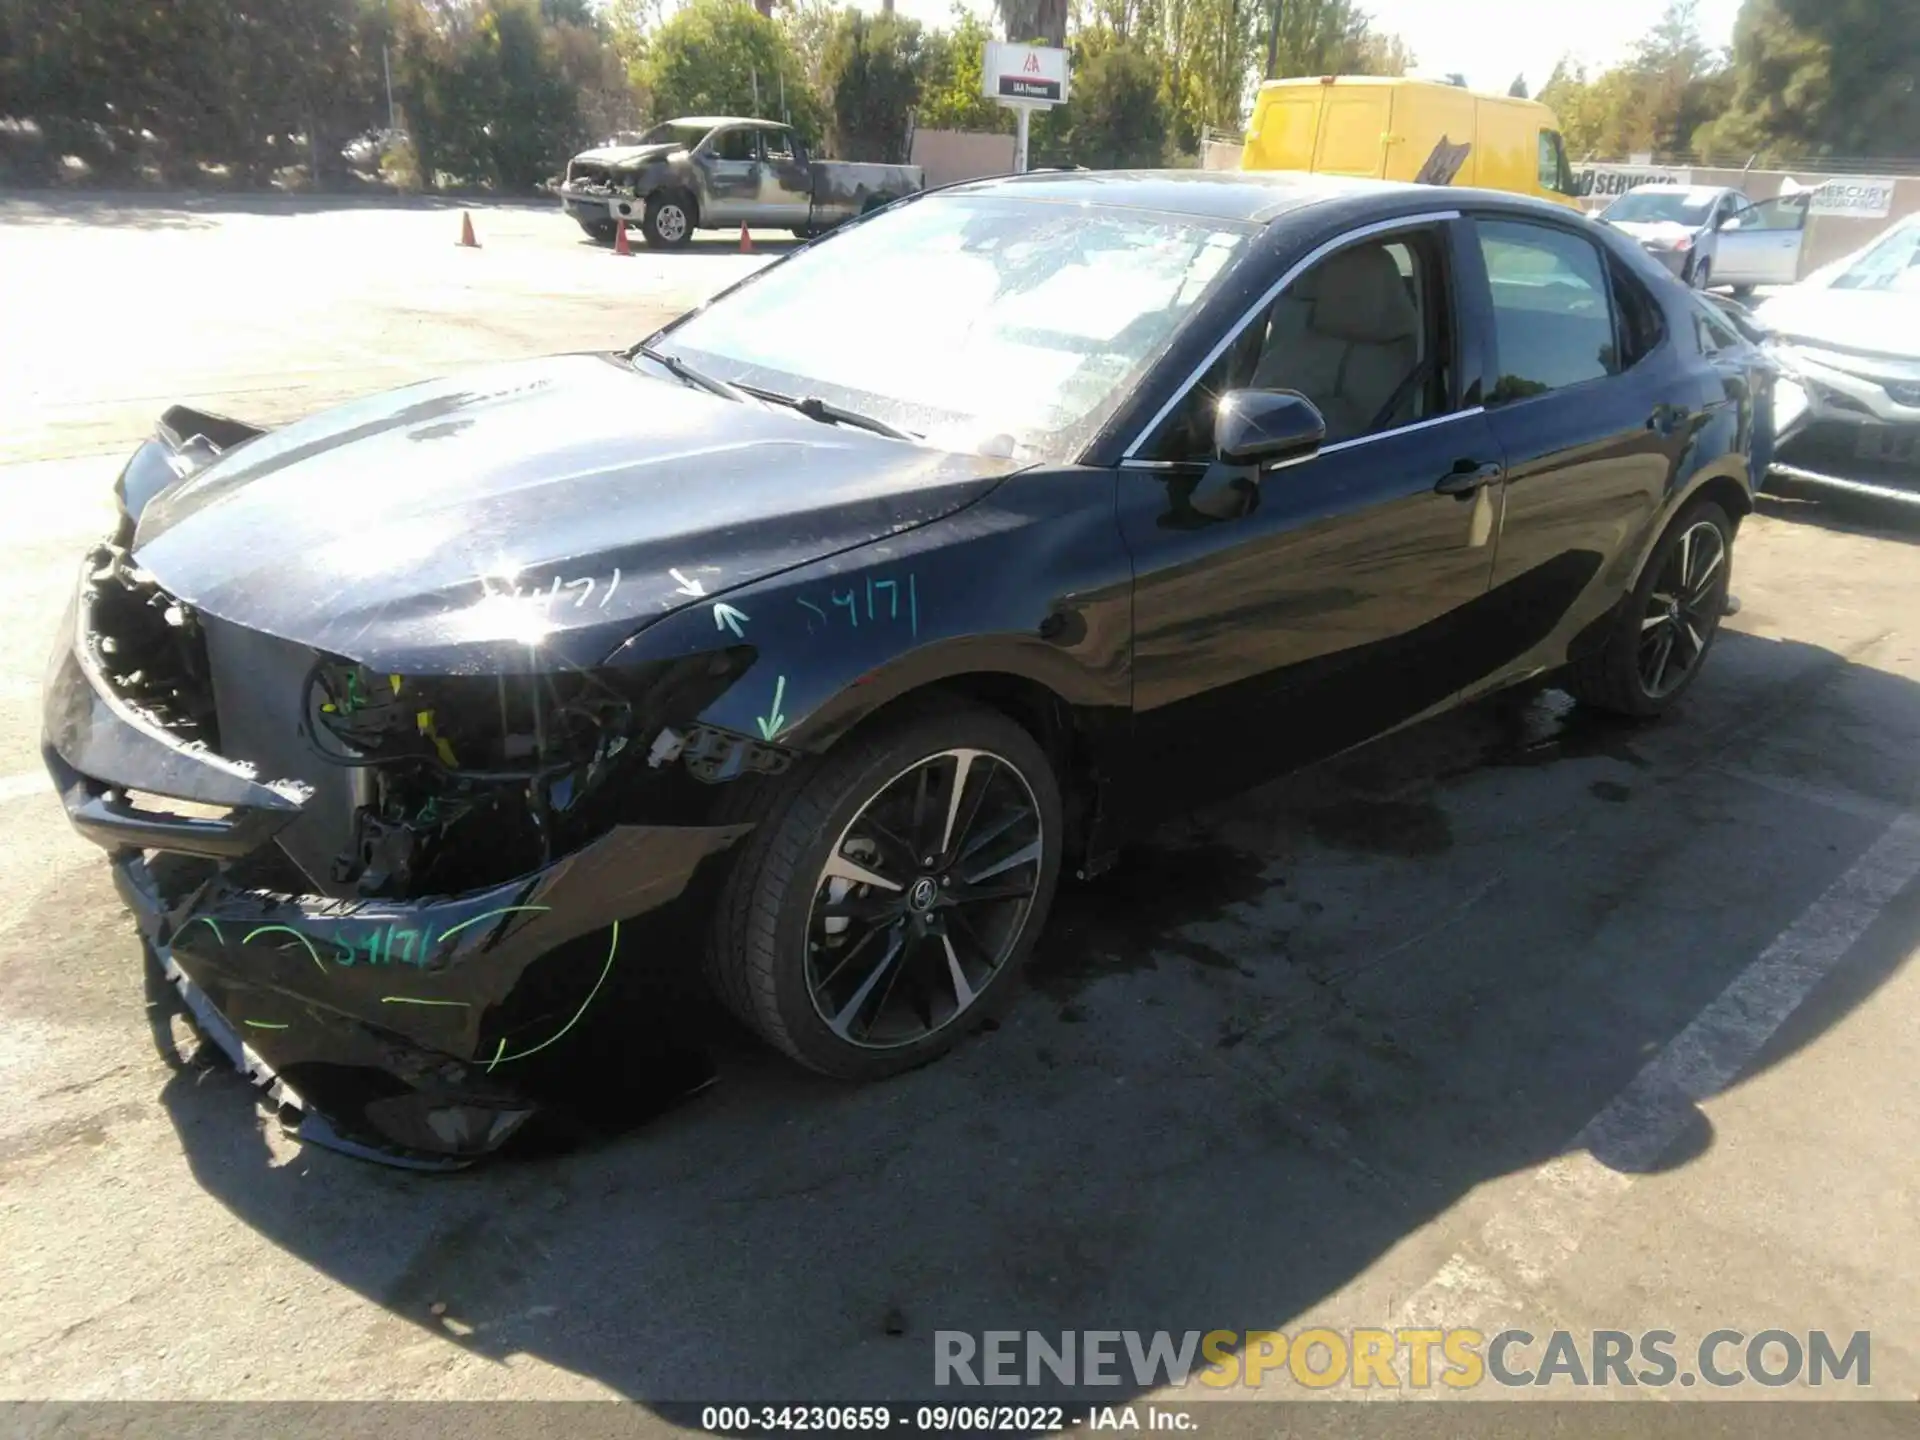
pixel 827 413
pixel 680 370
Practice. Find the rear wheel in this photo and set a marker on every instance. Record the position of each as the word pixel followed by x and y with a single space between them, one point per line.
pixel 1661 635
pixel 1743 292
pixel 884 904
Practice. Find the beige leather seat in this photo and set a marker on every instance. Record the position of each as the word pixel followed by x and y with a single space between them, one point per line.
pixel 1347 336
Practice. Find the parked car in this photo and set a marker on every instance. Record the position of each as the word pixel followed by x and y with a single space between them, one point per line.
pixel 1848 337
pixel 841 616
pixel 714 172
pixel 1714 235
pixel 1390 127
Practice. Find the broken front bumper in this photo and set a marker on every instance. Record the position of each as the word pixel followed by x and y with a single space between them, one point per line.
pixel 401 1029
pixel 1854 431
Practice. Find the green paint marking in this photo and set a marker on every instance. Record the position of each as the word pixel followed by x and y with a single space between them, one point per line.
pixel 605 970
pixel 263 1025
pixel 488 915
pixel 771 722
pixel 204 920
pixel 415 1000
pixel 287 930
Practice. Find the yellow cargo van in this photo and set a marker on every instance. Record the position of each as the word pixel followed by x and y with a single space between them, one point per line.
pixel 1392 128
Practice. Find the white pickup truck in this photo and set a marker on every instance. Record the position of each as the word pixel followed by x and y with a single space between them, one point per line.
pixel 716 172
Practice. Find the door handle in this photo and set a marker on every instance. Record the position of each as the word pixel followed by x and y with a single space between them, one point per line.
pixel 1466 477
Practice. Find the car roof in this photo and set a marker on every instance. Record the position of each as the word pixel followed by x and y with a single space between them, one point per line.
pixel 1253 195
pixel 708 122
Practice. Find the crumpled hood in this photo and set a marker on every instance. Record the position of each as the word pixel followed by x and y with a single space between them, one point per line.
pixel 527 516
pixel 621 156
pixel 1875 322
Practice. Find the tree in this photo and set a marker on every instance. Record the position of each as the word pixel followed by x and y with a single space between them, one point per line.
pixel 1829 78
pixel 1382 53
pixel 951 77
pixel 722 57
pixel 871 75
pixel 488 99
pixel 1118 118
pixel 1518 89
pixel 1041 22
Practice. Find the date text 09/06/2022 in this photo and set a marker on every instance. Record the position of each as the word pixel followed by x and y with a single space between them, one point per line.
pixel 940 1419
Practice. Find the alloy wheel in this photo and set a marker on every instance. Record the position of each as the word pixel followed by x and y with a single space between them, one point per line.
pixel 923 899
pixel 670 222
pixel 1682 610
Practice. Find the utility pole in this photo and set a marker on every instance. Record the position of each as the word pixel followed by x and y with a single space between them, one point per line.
pixel 1273 40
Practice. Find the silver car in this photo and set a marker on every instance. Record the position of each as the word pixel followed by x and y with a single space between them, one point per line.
pixel 1847 338
pixel 1713 234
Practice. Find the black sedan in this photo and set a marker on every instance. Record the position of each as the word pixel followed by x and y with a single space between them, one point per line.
pixel 846 612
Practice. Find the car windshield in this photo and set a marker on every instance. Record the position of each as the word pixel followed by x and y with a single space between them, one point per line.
pixel 1676 205
pixel 984 324
pixel 676 132
pixel 1890 263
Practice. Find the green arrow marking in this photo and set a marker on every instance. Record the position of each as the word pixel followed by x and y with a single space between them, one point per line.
pixel 725 617
pixel 771 722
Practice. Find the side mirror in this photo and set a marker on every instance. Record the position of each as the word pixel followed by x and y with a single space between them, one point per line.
pixel 1264 427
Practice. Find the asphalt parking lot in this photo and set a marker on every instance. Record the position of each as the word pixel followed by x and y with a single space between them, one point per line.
pixel 1514 1018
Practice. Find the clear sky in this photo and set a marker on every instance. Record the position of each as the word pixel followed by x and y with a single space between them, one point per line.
pixel 1488 41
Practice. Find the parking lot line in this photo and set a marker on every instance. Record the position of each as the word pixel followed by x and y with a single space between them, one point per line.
pixel 1536 1234
pixel 18 787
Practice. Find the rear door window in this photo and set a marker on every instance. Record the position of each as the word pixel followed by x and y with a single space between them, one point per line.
pixel 1553 319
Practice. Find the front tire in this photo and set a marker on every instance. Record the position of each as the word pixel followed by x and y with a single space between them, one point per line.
pixel 886 901
pixel 669 221
pixel 1661 635
pixel 599 230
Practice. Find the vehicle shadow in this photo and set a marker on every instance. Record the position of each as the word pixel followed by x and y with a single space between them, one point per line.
pixel 1847 514
pixel 706 242
pixel 1271 1045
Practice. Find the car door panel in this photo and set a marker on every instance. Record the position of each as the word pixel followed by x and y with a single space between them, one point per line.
pixel 731 164
pixel 1343 604
pixel 1764 249
pixel 1589 460
pixel 786 182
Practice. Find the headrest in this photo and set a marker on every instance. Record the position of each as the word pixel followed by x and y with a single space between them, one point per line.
pixel 1359 296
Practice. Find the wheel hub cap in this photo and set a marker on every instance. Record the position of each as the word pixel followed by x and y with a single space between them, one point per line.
pixel 923 898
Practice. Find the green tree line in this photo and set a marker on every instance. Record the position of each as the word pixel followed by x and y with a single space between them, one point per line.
pixel 1803 80
pixel 497 93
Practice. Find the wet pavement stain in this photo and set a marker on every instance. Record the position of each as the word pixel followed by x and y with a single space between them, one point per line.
pixel 1611 790
pixel 1412 829
pixel 1113 924
pixel 1549 726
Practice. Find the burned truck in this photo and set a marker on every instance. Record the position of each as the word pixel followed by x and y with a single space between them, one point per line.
pixel 716 172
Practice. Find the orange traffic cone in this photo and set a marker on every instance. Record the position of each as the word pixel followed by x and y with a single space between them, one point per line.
pixel 620 246
pixel 466 232
pixel 746 240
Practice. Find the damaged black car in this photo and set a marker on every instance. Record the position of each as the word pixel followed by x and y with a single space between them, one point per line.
pixel 844 614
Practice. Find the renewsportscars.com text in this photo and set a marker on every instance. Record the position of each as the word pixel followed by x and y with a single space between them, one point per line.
pixel 1364 1359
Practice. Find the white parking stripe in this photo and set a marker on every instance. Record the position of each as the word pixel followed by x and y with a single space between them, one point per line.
pixel 14 787
pixel 1543 1228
